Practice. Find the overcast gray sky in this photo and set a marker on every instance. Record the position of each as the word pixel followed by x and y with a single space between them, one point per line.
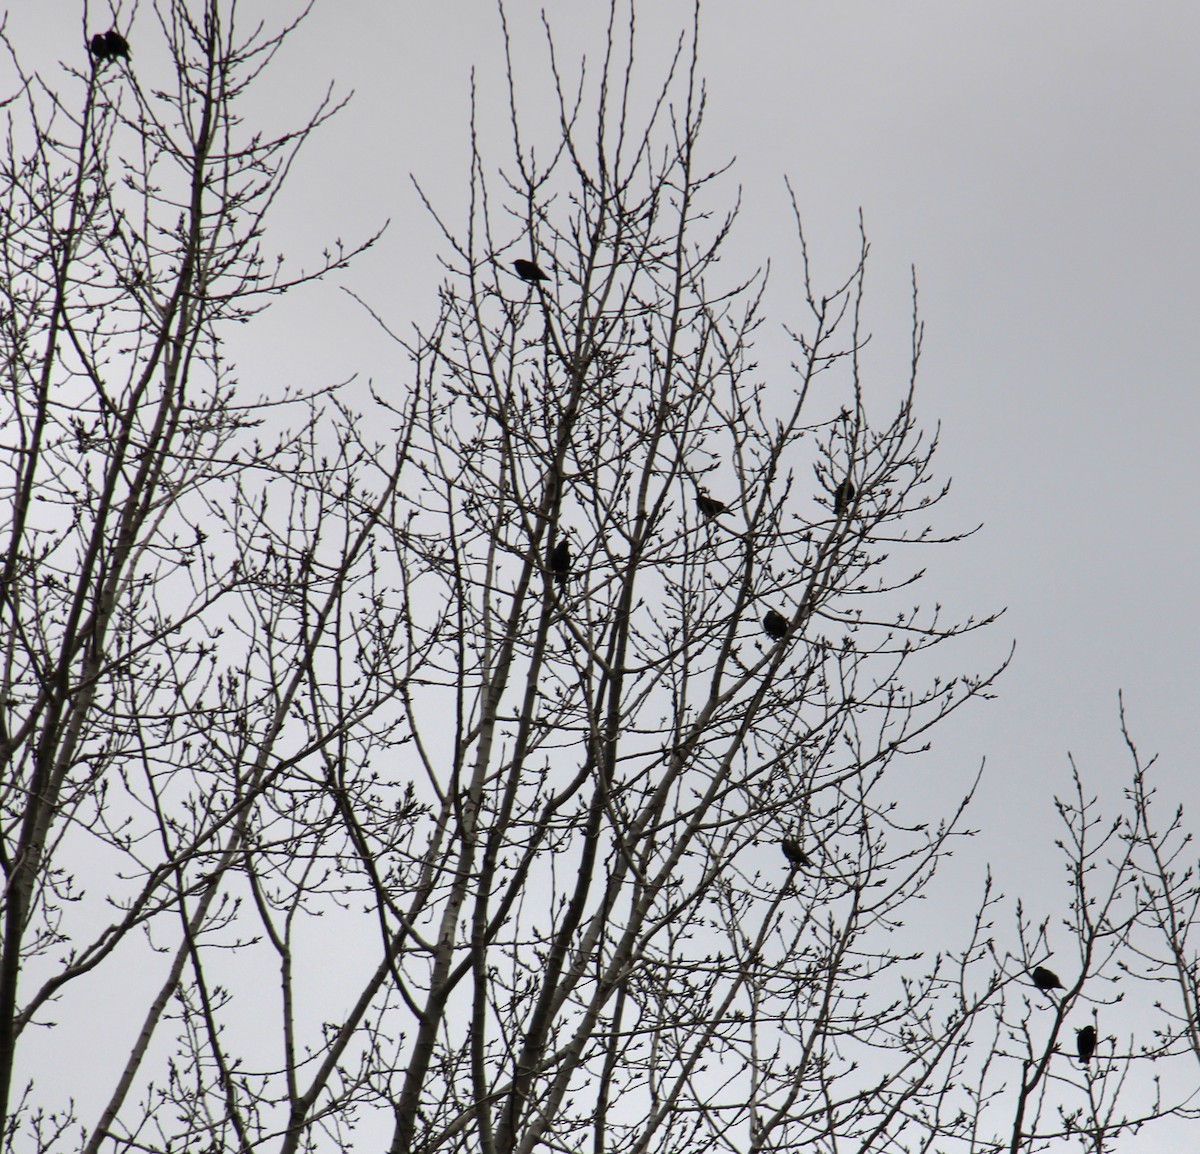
pixel 1038 163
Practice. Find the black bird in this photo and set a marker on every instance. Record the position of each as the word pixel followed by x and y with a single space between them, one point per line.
pixel 709 506
pixel 560 561
pixel 843 496
pixel 1045 979
pixel 99 46
pixel 775 624
pixel 529 271
pixel 795 855
pixel 116 45
pixel 1085 1043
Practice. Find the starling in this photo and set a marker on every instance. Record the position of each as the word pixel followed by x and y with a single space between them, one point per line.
pixel 709 506
pixel 1045 979
pixel 842 497
pixel 1085 1043
pixel 115 44
pixel 529 271
pixel 560 561
pixel 775 624
pixel 795 855
pixel 99 46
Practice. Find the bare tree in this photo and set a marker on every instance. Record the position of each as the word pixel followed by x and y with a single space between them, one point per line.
pixel 1102 1052
pixel 675 636
pixel 1168 899
pixel 522 762
pixel 175 594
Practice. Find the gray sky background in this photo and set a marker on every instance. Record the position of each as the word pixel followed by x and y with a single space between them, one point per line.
pixel 1039 164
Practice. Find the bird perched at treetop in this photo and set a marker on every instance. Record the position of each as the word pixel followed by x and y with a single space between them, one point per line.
pixel 99 46
pixel 560 561
pixel 529 271
pixel 708 505
pixel 795 855
pixel 1085 1043
pixel 775 624
pixel 843 496
pixel 1045 979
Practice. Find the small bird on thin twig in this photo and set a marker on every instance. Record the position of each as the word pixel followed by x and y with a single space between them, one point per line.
pixel 117 44
pixel 110 45
pixel 843 496
pixel 1085 1043
pixel 794 853
pixel 775 624
pixel 560 561
pixel 1045 979
pixel 527 270
pixel 709 505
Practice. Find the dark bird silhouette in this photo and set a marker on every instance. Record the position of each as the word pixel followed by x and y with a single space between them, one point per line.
pixel 795 855
pixel 709 506
pixel 99 46
pixel 843 496
pixel 1085 1043
pixel 1045 979
pixel 116 45
pixel 775 624
pixel 529 271
pixel 560 561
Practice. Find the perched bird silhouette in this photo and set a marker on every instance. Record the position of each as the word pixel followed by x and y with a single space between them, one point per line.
pixel 708 505
pixel 795 855
pixel 842 497
pixel 560 561
pixel 1085 1043
pixel 1045 979
pixel 117 44
pixel 99 46
pixel 775 624
pixel 529 271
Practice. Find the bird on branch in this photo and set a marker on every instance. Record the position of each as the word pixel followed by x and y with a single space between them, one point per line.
pixel 775 624
pixel 117 45
pixel 793 852
pixel 527 270
pixel 560 561
pixel 1045 979
pixel 709 505
pixel 843 496
pixel 110 45
pixel 1085 1043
